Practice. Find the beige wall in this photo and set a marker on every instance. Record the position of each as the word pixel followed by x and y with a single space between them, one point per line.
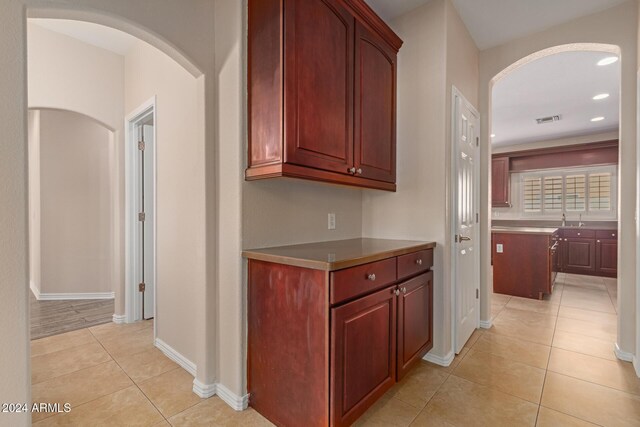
pixel 75 209
pixel 438 52
pixel 615 26
pixel 180 197
pixel 15 378
pixel 34 200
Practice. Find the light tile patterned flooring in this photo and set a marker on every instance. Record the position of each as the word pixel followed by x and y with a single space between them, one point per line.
pixel 544 363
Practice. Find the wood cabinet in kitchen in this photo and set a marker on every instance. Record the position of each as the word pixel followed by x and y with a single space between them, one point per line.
pixel 332 326
pixel 500 182
pixel 589 251
pixel 322 92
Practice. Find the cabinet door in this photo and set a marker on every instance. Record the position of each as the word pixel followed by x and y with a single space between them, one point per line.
pixel 607 257
pixel 415 321
pixel 500 182
pixel 375 107
pixel 363 354
pixel 318 110
pixel 580 256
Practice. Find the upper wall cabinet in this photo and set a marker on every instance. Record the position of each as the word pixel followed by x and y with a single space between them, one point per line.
pixel 322 92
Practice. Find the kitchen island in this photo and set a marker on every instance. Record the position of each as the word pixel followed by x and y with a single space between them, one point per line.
pixel 333 325
pixel 525 260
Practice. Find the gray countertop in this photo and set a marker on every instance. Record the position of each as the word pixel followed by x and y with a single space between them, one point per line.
pixel 524 230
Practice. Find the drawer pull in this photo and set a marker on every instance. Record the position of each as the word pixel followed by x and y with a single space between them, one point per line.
pixel 371 277
pixel 598 241
pixel 404 290
pixel 613 234
pixel 578 234
pixel 396 291
pixel 419 261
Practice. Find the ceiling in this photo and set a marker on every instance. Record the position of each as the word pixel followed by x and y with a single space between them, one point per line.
pixel 103 37
pixel 561 84
pixel 494 22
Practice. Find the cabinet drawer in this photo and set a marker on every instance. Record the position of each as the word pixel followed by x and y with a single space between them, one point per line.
pixel 584 234
pixel 606 234
pixel 414 263
pixel 351 282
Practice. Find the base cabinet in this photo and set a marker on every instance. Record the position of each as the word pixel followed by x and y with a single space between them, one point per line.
pixel 324 346
pixel 589 252
pixel 581 256
pixel 607 257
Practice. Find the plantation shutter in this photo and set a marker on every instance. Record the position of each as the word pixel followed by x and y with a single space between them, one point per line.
pixel 575 192
pixel 552 193
pixel 532 194
pixel 600 191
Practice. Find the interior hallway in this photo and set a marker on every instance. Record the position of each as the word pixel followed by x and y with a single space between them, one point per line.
pixel 545 363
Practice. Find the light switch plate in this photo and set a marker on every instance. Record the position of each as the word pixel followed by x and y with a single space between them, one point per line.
pixel 499 248
pixel 331 221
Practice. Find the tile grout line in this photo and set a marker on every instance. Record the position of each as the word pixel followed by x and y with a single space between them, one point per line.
pixel 546 369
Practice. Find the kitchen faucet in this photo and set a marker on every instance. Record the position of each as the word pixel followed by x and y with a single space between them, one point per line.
pixel 580 223
pixel 564 220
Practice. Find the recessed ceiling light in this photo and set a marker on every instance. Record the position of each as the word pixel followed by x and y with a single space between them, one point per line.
pixel 597 119
pixel 601 96
pixel 608 60
pixel 493 135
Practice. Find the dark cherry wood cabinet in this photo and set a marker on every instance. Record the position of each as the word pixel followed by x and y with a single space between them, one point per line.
pixel 415 328
pixel 324 341
pixel 500 182
pixel 590 252
pixel 363 354
pixel 322 92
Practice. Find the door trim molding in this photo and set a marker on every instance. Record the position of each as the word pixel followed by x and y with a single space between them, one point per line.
pixel 133 310
pixel 455 93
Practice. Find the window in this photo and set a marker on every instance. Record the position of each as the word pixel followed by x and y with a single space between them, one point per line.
pixel 600 192
pixel 532 194
pixel 587 191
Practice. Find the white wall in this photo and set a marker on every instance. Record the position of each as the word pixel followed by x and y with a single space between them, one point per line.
pixel 438 52
pixel 75 209
pixel 615 26
pixel 180 198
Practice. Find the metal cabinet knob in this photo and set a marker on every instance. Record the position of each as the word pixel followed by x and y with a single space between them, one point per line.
pixel 613 234
pixel 419 261
pixel 578 234
pixel 597 241
pixel 371 277
pixel 359 171
pixel 351 170
pixel 565 240
pixel 404 290
pixel 397 292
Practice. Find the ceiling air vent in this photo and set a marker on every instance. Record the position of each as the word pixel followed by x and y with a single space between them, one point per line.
pixel 549 119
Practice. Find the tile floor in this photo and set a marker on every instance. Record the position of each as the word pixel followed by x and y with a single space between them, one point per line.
pixel 544 363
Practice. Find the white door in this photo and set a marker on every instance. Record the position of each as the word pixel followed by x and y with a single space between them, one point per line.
pixel 466 256
pixel 145 270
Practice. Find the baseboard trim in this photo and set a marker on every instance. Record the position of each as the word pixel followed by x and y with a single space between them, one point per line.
pixel 172 354
pixel 119 318
pixel 623 355
pixel 636 365
pixel 34 290
pixel 41 296
pixel 439 360
pixel 486 324
pixel 204 391
pixel 239 403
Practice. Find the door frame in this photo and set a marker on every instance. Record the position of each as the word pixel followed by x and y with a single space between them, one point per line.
pixel 457 96
pixel 133 310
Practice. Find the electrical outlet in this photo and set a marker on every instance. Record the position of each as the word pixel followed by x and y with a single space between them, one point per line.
pixel 332 221
pixel 499 248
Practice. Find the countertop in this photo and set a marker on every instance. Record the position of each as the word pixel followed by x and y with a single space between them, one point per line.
pixel 589 225
pixel 338 254
pixel 524 230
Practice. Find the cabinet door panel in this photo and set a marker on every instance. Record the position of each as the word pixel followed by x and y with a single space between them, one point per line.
pixel 415 327
pixel 375 109
pixel 500 182
pixel 363 354
pixel 319 37
pixel 580 256
pixel 607 257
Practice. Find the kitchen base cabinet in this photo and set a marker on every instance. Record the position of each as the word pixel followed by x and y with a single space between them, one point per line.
pixel 327 339
pixel 590 252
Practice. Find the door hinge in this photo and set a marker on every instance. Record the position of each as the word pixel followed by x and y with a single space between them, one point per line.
pixel 477 217
pixel 141 216
pixel 477 141
pixel 141 287
pixel 477 293
pixel 141 145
